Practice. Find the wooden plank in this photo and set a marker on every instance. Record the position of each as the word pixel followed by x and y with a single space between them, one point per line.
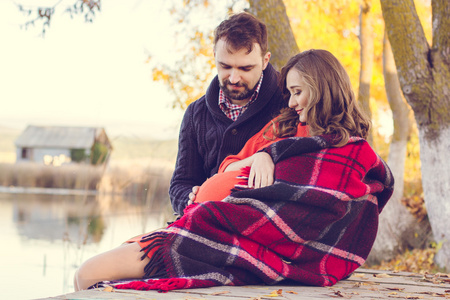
pixel 363 284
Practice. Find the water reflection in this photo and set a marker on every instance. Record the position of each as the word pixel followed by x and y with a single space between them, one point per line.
pixel 52 218
pixel 48 236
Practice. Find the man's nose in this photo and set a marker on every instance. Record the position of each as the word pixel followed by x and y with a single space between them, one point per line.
pixel 235 76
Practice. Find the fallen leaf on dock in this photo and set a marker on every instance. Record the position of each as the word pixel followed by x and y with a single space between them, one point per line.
pixel 108 289
pixel 341 294
pixel 275 293
pixel 434 294
pixel 220 293
pixel 395 289
pixel 383 275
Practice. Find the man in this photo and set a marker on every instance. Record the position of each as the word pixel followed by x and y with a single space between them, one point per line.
pixel 241 99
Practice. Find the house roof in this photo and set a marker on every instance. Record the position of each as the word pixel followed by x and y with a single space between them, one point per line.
pixel 58 137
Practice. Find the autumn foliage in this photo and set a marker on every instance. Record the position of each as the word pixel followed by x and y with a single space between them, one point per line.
pixel 319 24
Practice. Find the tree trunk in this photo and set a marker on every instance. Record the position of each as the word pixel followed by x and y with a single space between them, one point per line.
pixel 398 229
pixel 424 74
pixel 436 186
pixel 365 74
pixel 282 42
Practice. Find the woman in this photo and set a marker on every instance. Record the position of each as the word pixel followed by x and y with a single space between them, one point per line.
pixel 315 224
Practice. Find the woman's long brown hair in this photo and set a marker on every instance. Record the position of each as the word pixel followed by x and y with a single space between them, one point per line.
pixel 332 107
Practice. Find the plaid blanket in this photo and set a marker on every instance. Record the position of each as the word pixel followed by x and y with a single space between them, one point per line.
pixel 315 225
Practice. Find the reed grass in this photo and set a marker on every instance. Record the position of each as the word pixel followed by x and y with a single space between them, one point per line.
pixel 147 182
pixel 74 176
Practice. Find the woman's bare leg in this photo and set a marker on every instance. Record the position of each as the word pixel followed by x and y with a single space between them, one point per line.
pixel 123 262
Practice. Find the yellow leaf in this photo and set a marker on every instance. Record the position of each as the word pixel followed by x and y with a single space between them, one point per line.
pixel 108 289
pixel 220 293
pixel 384 275
pixel 396 289
pixel 291 292
pixel 275 293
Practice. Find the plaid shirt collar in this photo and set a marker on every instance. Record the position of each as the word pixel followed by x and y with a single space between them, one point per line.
pixel 233 111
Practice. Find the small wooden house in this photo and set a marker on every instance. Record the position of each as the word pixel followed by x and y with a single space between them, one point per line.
pixel 57 145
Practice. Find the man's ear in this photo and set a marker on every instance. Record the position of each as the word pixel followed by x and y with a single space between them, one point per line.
pixel 266 59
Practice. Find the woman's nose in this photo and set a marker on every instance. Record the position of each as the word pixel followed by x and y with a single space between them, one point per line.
pixel 292 103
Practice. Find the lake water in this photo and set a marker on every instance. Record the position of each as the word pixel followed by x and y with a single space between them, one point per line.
pixel 47 237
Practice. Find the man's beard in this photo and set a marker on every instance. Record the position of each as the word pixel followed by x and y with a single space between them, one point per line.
pixel 236 95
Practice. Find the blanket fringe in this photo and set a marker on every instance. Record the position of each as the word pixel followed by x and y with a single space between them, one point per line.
pixel 155 252
pixel 162 285
pixel 242 183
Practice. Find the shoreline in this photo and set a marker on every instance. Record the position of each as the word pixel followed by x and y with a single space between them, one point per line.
pixel 46 191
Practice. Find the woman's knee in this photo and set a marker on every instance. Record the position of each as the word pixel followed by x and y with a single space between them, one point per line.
pixel 75 281
pixel 123 262
pixel 87 275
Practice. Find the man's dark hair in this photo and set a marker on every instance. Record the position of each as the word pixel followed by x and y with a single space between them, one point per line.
pixel 242 30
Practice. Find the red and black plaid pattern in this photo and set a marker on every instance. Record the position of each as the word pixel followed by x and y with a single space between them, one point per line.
pixel 315 225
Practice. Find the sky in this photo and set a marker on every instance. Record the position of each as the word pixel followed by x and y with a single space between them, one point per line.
pixel 88 74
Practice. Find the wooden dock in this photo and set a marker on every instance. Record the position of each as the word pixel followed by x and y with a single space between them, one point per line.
pixel 363 284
